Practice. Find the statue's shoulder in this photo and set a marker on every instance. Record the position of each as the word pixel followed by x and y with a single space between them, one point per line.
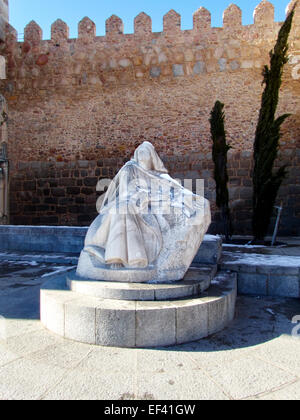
pixel 130 165
pixel 125 167
pixel 128 168
pixel 131 162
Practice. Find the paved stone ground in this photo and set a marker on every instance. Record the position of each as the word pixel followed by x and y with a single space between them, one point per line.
pixel 256 357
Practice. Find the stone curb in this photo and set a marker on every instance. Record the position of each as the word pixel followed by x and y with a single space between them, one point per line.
pixel 266 280
pixel 70 240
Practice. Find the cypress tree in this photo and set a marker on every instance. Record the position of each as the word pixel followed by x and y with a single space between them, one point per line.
pixel 266 182
pixel 220 150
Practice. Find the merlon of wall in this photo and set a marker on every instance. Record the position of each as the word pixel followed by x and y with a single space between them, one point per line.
pixel 264 14
pixel 143 24
pixel 202 19
pixel 59 31
pixel 232 17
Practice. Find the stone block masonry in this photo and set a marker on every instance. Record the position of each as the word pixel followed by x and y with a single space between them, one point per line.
pixel 64 193
pixel 266 275
pixel 79 107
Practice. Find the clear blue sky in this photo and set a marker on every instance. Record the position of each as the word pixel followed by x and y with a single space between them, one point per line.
pixel 45 12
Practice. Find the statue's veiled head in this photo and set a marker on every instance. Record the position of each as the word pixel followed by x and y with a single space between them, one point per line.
pixel 146 156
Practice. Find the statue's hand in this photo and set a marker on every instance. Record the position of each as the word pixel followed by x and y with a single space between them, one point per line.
pixel 116 266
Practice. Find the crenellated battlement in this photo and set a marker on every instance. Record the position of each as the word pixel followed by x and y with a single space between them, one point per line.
pixel 232 20
pixel 91 61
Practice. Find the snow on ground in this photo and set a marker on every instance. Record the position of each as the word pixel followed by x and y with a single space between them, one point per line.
pixel 28 256
pixel 219 279
pixel 243 246
pixel 258 259
pixel 212 238
pixel 58 270
pixel 20 262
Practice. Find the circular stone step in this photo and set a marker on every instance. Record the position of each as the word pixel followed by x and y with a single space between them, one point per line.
pixel 137 324
pixel 196 281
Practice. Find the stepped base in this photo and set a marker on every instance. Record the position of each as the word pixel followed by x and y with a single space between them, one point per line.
pixel 196 281
pixel 137 324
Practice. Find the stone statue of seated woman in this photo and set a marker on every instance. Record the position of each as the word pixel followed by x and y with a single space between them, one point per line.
pixel 149 228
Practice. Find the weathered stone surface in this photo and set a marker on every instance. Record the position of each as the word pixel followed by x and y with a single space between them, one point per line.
pixel 202 19
pixel 53 299
pixel 284 286
pixel 59 31
pixel 223 64
pixel 251 283
pixel 199 67
pixel 86 28
pixel 178 70
pixel 235 65
pixel 232 17
pixel 155 324
pixel 137 324
pixel 196 281
pixel 155 71
pixel 89 267
pixel 172 22
pixel 264 14
pixel 80 319
pixel 266 275
pixel 217 315
pixel 115 324
pixel 33 33
pixel 114 26
pixel 143 25
pixel 210 251
pixel 125 63
pixel 192 322
pixel 42 60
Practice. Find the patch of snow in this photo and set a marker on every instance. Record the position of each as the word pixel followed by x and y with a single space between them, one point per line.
pixel 211 238
pixel 258 259
pixel 270 311
pixel 20 262
pixel 42 227
pixel 33 263
pixel 37 258
pixel 58 270
pixel 218 279
pixel 243 246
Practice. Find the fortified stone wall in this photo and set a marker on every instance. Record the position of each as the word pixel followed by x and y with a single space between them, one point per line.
pixel 79 107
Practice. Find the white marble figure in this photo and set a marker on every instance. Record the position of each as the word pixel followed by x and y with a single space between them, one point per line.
pixel 149 227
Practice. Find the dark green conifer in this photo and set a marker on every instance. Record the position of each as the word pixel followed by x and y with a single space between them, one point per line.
pixel 266 182
pixel 220 150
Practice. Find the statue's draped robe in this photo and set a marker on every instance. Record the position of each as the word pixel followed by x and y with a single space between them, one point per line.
pixel 127 230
